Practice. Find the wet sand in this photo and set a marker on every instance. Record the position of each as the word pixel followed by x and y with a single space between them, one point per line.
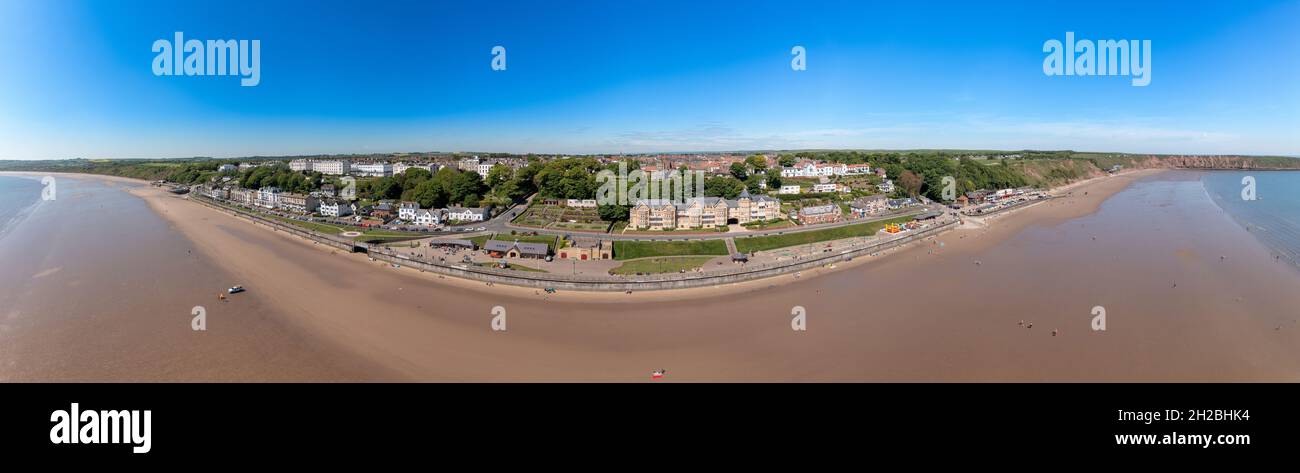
pixel 96 287
pixel 926 312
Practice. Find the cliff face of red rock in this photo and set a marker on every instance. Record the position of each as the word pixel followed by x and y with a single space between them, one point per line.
pixel 1218 162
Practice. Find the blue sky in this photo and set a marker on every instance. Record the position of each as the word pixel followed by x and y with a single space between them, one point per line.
pixel 643 76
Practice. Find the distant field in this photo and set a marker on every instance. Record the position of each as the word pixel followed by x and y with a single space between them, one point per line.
pixel 746 245
pixel 661 265
pixel 625 250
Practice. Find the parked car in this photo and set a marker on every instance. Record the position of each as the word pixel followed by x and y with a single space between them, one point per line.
pixel 235 290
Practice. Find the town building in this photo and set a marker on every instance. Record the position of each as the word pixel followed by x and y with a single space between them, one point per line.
pixel 895 204
pixel 297 203
pixel 406 210
pixel 869 205
pixel 819 214
pixel 373 169
pixel 268 197
pixel 330 207
pixel 332 167
pixel 808 168
pixel 301 165
pixel 243 196
pixel 430 217
pixel 469 164
pixel 581 203
pixel 384 211
pixel 516 249
pixel 886 186
pixel 227 168
pixel 790 189
pixel 216 192
pixel 399 168
pixel 463 214
pixel 825 188
pixel 587 249
pixel 703 212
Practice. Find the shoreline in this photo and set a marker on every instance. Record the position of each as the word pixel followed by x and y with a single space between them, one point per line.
pixel 922 312
pixel 1007 224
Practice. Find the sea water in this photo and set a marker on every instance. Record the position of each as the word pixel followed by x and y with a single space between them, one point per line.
pixel 1273 216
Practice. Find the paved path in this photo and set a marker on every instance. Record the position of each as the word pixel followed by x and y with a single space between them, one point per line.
pixel 731 246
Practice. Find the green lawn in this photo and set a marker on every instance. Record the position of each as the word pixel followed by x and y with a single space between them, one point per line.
pixel 626 250
pixel 746 245
pixel 783 223
pixel 658 265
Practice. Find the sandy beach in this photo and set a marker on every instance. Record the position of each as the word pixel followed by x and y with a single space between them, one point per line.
pixel 953 308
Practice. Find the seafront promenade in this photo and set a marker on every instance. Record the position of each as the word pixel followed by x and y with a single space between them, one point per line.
pixel 589 282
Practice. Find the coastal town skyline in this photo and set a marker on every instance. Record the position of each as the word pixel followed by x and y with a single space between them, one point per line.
pixel 574 83
pixel 1058 213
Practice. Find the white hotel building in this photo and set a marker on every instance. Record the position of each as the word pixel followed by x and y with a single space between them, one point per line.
pixel 406 210
pixel 373 169
pixel 399 168
pixel 462 214
pixel 268 197
pixel 811 169
pixel 333 167
pixel 335 208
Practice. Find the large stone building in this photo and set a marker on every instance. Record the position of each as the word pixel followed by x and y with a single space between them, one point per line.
pixel 703 212
pixel 586 249
pixel 819 214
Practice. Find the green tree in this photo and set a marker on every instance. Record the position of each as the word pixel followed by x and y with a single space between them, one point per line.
pixel 614 213
pixel 726 187
pixel 738 171
pixel 465 185
pixel 498 175
pixel 774 181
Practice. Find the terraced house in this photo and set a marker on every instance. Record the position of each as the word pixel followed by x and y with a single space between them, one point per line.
pixel 297 203
pixel 703 212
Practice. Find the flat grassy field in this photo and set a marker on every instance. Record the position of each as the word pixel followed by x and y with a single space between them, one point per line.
pixel 746 245
pixel 626 250
pixel 659 265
